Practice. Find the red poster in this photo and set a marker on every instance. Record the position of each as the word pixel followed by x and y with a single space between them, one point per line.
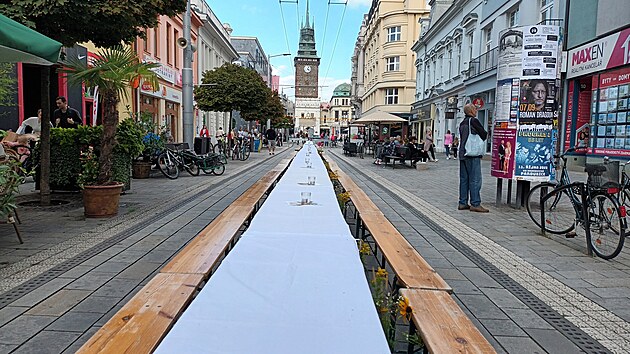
pixel 503 148
pixel 567 124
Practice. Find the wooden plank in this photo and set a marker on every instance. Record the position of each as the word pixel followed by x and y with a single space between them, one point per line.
pixel 442 324
pixel 412 270
pixel 142 323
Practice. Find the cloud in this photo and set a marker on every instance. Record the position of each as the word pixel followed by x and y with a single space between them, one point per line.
pixel 360 3
pixel 251 9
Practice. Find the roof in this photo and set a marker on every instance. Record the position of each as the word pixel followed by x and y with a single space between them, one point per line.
pixel 342 90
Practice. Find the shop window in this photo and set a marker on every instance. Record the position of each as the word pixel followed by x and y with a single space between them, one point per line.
pixel 611 117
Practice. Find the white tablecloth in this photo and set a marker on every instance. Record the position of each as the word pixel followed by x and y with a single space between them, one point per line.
pixel 294 283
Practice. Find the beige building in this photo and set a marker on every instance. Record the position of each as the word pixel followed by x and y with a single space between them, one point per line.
pixel 389 73
pixel 340 110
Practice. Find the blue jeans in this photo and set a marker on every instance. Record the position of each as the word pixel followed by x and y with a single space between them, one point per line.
pixel 470 181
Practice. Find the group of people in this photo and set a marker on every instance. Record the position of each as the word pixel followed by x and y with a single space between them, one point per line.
pixel 271 138
pixel 419 152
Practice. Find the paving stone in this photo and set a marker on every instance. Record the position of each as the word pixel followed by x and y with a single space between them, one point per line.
pixel 450 274
pixel 73 321
pixel 90 281
pixel 481 307
pixel 552 341
pixel 22 328
pixel 116 288
pixel 479 278
pixel 139 270
pixel 77 344
pixel 97 304
pixel 464 287
pixel 77 271
pixel 7 348
pixel 10 312
pixel 111 267
pixel 526 318
pixel 503 298
pixel 46 342
pixel 60 302
pixel 38 295
pixel 520 345
pixel 503 328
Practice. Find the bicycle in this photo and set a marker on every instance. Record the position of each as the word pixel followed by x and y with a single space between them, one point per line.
pixel 170 161
pixel 241 150
pixel 589 206
pixel 221 149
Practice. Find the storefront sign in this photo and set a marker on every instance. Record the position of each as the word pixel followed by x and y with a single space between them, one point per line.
pixel 165 72
pixel 165 92
pixel 478 102
pixel 605 53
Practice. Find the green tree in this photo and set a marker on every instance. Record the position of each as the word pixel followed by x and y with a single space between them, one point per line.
pixel 284 122
pixel 7 84
pixel 272 109
pixel 115 70
pixel 232 88
pixel 106 23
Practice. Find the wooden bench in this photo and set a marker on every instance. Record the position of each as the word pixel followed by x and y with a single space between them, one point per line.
pixel 442 324
pixel 142 323
pixel 399 155
pixel 411 270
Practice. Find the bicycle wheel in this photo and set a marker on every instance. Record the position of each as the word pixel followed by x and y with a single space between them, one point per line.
pixel 168 166
pixel 218 168
pixel 559 211
pixel 191 167
pixel 532 202
pixel 606 226
pixel 244 153
pixel 223 159
pixel 625 197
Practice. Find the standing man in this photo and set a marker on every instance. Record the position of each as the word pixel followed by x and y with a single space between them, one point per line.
pixel 470 166
pixel 64 116
pixel 271 136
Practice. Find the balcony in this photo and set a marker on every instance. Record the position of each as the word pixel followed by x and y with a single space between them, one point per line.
pixel 551 22
pixel 483 63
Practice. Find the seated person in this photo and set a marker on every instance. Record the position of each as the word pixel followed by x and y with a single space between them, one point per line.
pixel 32 125
pixel 415 152
pixel 388 150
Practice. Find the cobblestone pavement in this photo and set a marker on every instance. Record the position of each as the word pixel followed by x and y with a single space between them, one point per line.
pixel 527 293
pixel 72 274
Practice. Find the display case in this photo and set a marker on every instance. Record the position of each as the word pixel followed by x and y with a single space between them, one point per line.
pixel 611 117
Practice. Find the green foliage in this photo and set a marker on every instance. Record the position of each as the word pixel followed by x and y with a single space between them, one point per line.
pixel 121 170
pixel 129 136
pixel 233 87
pixel 272 109
pixel 105 23
pixel 10 180
pixel 113 72
pixel 7 84
pixel 284 122
pixel 2 134
pixel 152 142
pixel 89 168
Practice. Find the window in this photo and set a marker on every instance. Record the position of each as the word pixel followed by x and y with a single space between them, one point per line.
pixel 393 34
pixel 336 115
pixel 512 18
pixel 546 9
pixel 344 114
pixel 393 63
pixel 450 62
pixel 156 40
pixel 471 41
pixel 391 96
pixel 440 71
pixel 168 43
pixel 176 51
pixel 488 33
pixel 459 57
pixel 145 41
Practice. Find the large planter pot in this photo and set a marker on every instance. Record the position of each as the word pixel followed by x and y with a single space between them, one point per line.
pixel 101 201
pixel 141 169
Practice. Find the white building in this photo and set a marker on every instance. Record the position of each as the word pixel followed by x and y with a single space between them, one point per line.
pixel 213 50
pixel 457 58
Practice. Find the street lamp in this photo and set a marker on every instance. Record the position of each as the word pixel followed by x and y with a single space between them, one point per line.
pixel 269 75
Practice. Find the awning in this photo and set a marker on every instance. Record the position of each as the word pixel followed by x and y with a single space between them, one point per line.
pixel 380 117
pixel 19 43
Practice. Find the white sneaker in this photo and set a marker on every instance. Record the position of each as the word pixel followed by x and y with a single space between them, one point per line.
pixel 436 160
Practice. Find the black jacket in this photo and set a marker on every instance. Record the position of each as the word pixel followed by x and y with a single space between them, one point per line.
pixel 476 128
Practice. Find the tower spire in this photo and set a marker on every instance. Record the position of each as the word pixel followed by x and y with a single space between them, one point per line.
pixel 307 16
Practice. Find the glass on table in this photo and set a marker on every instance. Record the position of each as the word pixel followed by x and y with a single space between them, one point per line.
pixel 305 198
pixel 311 180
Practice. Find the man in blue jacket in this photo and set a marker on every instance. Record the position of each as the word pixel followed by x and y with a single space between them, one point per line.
pixel 470 166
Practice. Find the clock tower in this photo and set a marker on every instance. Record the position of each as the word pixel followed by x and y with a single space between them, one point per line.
pixel 306 63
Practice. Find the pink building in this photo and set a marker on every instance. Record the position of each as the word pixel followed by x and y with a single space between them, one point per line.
pixel 275 83
pixel 165 103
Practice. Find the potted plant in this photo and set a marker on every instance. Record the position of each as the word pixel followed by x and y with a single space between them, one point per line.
pixel 151 142
pixel 129 146
pixel 114 71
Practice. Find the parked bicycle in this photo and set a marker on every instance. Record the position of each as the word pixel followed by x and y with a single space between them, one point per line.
pixel 241 150
pixel 174 159
pixel 592 207
pixel 209 164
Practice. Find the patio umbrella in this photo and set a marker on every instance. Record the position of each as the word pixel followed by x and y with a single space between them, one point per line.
pixel 19 43
pixel 380 117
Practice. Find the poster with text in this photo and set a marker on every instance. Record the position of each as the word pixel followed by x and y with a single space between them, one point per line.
pixel 503 149
pixel 540 52
pixel 534 151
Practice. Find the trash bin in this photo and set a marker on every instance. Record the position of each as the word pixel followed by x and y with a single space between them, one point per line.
pixel 257 145
pixel 202 145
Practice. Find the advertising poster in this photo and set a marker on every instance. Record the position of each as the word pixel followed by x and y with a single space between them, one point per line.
pixel 534 151
pixel 503 148
pixel 540 52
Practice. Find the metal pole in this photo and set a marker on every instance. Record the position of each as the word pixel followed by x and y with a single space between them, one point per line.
pixel 187 82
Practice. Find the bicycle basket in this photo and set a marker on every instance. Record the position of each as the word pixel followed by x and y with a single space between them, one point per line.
pixel 603 175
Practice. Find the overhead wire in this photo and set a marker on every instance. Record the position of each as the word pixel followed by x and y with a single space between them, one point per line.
pixel 286 35
pixel 345 7
pixel 321 52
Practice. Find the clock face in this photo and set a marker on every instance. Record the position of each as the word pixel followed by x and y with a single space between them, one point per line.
pixel 307 68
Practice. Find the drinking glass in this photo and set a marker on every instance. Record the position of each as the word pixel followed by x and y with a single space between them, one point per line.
pixel 311 180
pixel 306 198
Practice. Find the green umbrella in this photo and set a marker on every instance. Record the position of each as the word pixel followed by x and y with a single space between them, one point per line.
pixel 19 43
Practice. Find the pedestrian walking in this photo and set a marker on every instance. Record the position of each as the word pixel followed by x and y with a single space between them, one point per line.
pixel 65 116
pixel 470 162
pixel 454 146
pixel 448 140
pixel 271 140
pixel 428 145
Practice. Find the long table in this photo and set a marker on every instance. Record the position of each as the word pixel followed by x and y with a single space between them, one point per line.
pixel 294 283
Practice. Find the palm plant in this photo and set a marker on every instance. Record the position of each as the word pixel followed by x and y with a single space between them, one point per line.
pixel 114 70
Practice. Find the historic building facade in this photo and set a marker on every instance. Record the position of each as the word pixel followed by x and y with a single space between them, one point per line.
pixel 307 102
pixel 340 110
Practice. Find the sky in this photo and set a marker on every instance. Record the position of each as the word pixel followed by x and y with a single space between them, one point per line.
pixel 264 19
